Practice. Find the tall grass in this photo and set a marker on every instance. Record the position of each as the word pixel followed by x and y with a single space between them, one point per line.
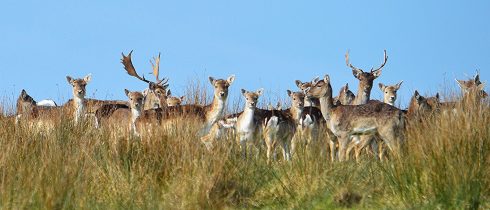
pixel 445 166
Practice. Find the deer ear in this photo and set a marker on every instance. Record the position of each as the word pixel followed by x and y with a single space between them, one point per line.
pixel 69 79
pixel 298 83
pixel 399 85
pixel 169 93
pixel 289 93
pixel 211 80
pixel 326 78
pixel 306 90
pixel 126 91
pixel 165 86
pixel 346 87
pixel 260 91
pixel 416 95
pixel 477 77
pixel 381 86
pixel 230 79
pixel 23 93
pixel 87 78
pixel 243 92
pixel 152 86
pixel 182 98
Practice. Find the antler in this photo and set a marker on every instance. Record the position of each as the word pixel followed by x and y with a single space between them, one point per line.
pixel 348 63
pixel 382 65
pixel 128 66
pixel 156 70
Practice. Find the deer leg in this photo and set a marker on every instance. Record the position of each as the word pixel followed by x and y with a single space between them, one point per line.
pixel 343 143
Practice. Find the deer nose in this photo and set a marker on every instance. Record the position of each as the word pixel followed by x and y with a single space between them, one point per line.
pixel 80 91
pixel 252 103
pixel 222 93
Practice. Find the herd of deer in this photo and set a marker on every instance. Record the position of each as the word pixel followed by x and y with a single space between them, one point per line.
pixel 349 121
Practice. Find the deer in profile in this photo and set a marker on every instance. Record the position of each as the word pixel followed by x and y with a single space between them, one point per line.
pixel 365 79
pixel 309 101
pixel 390 92
pixel 345 121
pixel 473 90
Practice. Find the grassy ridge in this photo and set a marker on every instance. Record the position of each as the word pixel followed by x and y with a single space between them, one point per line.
pixel 445 166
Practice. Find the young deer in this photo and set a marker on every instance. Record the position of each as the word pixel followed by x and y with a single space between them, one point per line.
pixel 309 101
pixel 345 121
pixel 79 91
pixel 173 100
pixel 389 92
pixel 247 126
pixel 365 80
pixel 345 97
pixel 306 120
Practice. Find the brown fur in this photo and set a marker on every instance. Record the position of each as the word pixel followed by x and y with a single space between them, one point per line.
pixel 345 121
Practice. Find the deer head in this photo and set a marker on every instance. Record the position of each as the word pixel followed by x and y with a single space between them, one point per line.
pixel 345 95
pixel 25 103
pixel 365 78
pixel 221 86
pixel 136 99
pixel 157 95
pixel 418 105
pixel 79 85
pixel 389 92
pixel 297 99
pixel 172 100
pixel 320 88
pixel 252 97
pixel 473 87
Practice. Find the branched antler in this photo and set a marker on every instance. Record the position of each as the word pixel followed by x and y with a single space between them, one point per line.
pixel 156 70
pixel 384 62
pixel 349 64
pixel 128 66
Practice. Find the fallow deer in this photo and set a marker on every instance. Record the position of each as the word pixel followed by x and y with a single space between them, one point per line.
pixel 390 92
pixel 209 113
pixel 306 119
pixel 156 94
pixel 345 121
pixel 174 100
pixel 309 101
pixel 248 127
pixel 365 79
pixel 345 97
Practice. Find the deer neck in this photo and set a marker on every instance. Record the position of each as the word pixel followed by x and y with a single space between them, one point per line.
pixel 296 113
pixel 216 110
pixel 135 113
pixel 363 94
pixel 326 105
pixel 79 107
pixel 246 120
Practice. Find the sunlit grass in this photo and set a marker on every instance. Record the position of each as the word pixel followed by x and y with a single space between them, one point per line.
pixel 445 166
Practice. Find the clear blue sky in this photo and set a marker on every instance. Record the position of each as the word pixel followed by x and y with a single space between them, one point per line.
pixel 264 43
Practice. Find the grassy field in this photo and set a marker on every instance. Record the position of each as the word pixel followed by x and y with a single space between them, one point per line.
pixel 446 165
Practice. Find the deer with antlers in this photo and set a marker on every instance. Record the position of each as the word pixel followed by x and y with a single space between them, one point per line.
pixel 344 121
pixel 365 79
pixel 209 114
